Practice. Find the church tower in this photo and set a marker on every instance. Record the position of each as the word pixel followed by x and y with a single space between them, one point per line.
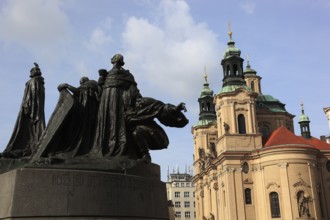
pixel 248 163
pixel 235 103
pixel 205 137
pixel 304 124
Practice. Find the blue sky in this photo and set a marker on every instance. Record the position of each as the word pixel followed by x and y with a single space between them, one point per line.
pixel 166 45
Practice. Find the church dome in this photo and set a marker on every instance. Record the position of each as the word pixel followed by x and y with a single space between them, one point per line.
pixel 249 70
pixel 206 91
pixel 303 118
pixel 231 50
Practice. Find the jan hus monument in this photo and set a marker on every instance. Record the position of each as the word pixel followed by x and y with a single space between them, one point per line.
pixel 91 160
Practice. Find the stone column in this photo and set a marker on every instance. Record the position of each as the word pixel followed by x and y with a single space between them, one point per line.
pixel 231 194
pixel 261 204
pixel 239 194
pixel 285 199
pixel 312 179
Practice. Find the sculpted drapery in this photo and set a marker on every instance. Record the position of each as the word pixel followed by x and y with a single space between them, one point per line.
pixel 30 122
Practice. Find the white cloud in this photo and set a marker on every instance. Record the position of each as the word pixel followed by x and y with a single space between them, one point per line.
pixel 170 55
pixel 34 23
pixel 248 7
pixel 100 37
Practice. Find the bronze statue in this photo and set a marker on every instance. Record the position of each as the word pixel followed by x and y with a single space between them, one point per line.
pixel 30 122
pixel 118 96
pixel 71 128
pixel 98 121
pixel 146 133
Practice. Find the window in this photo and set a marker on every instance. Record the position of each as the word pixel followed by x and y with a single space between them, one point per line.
pixel 193 194
pixel 265 131
pixel 182 184
pixel 194 214
pixel 248 199
pixel 176 184
pixel 241 124
pixel 176 194
pixel 208 105
pixel 274 205
pixel 252 86
pixel 235 70
pixel 194 204
pixel 186 194
pixel 186 204
pixel 178 214
pixel 227 70
pixel 187 214
pixel 177 204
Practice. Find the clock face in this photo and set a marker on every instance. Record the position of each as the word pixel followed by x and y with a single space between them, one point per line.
pixel 328 165
pixel 245 167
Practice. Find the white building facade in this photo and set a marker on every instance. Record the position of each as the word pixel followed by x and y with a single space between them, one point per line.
pixel 181 191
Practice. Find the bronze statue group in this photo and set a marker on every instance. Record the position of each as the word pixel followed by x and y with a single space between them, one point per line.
pixel 107 118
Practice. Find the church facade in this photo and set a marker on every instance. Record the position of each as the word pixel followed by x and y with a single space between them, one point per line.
pixel 248 163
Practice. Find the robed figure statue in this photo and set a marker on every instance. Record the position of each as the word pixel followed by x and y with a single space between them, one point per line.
pixel 30 122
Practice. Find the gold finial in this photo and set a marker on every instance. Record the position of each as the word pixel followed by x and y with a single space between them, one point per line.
pixel 229 30
pixel 205 75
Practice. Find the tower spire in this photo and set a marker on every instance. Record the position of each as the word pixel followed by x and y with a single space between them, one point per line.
pixel 232 63
pixel 248 61
pixel 302 106
pixel 304 122
pixel 230 33
pixel 206 106
pixel 205 75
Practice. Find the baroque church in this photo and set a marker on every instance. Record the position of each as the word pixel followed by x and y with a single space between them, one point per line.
pixel 248 163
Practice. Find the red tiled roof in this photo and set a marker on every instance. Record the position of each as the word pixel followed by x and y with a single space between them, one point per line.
pixel 317 143
pixel 282 136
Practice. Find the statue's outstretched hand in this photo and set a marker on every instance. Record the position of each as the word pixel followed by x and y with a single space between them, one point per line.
pixel 181 107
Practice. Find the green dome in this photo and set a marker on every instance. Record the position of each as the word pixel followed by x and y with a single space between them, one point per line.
pixel 303 118
pixel 206 91
pixel 232 88
pixel 248 70
pixel 270 103
pixel 231 50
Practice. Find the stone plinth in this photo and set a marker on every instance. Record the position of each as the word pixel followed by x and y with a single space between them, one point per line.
pixel 32 193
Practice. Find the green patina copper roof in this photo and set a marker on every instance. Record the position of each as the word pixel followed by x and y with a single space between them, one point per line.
pixel 267 98
pixel 270 103
pixel 303 118
pixel 249 70
pixel 204 122
pixel 231 50
pixel 232 88
pixel 206 91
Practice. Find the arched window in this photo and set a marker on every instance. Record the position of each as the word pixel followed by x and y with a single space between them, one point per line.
pixel 265 131
pixel 235 70
pixel 241 124
pixel 252 86
pixel 274 205
pixel 227 70
pixel 208 106
pixel 247 195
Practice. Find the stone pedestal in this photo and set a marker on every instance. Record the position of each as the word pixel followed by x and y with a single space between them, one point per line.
pixel 38 193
